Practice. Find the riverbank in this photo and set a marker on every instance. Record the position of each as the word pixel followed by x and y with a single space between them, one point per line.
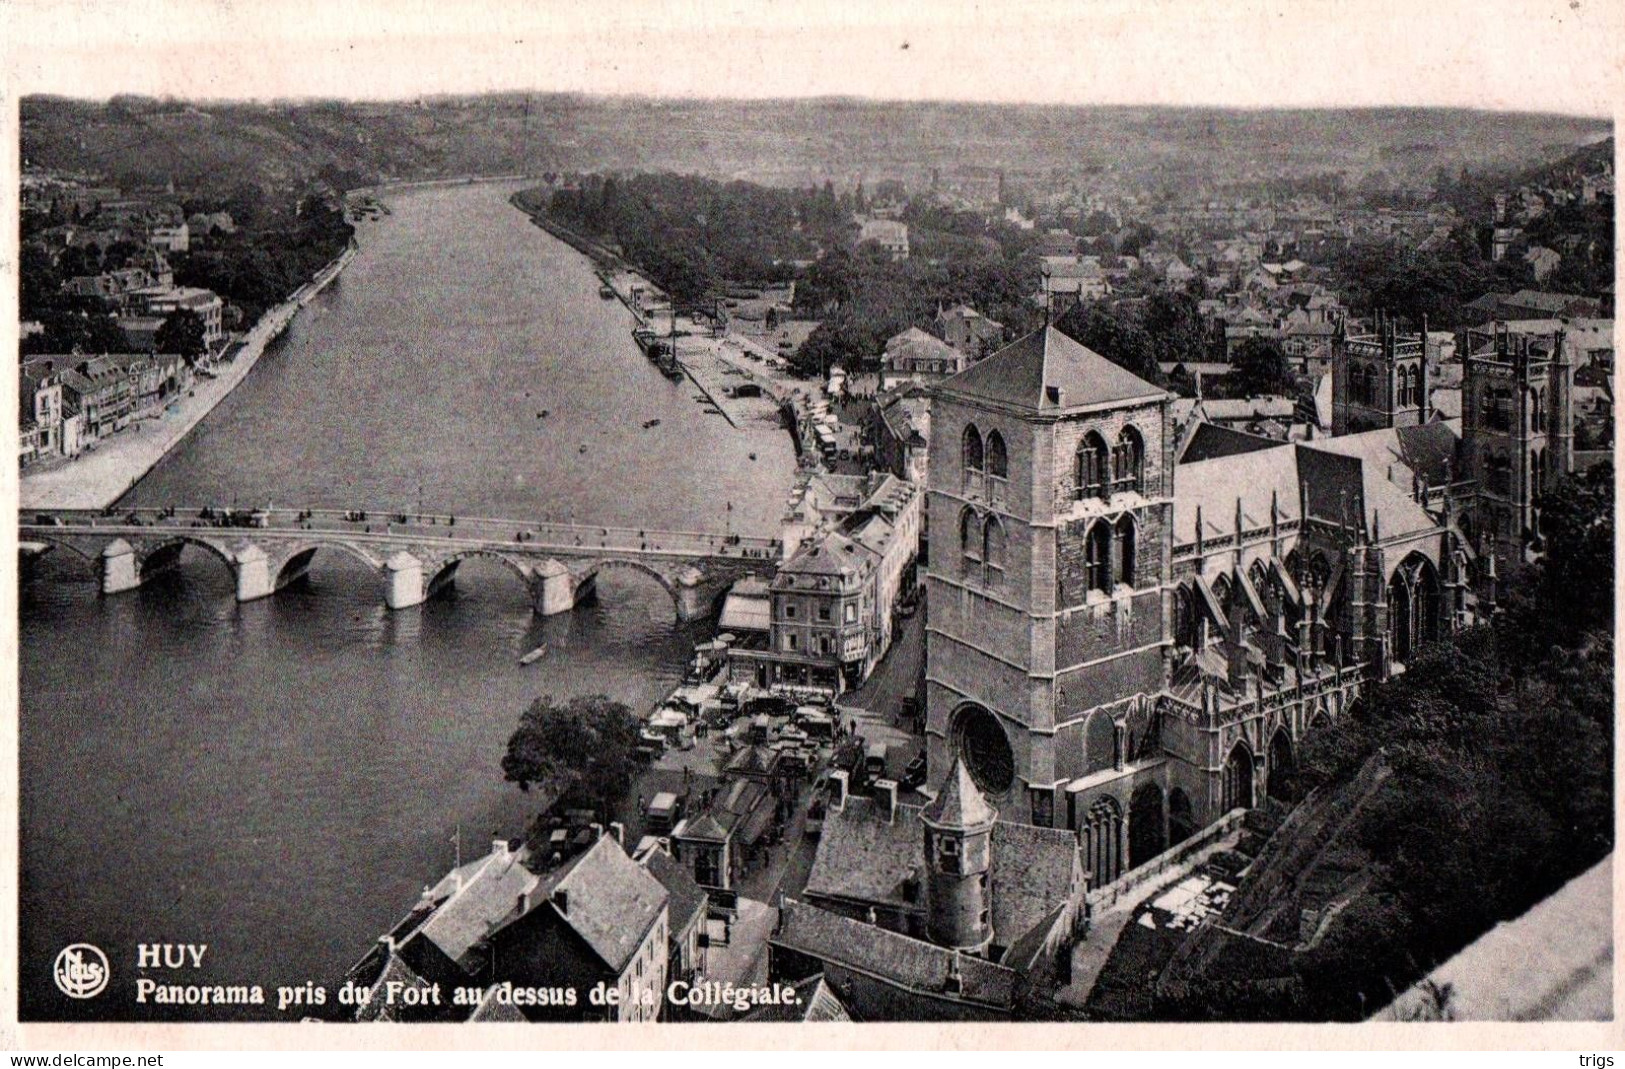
pixel 98 478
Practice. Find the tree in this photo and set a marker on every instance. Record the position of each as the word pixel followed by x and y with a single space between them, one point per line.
pixel 1115 333
pixel 1260 369
pixel 580 751
pixel 183 333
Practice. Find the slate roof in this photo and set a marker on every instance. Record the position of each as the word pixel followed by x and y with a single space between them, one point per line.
pixel 813 1001
pixel 908 963
pixel 916 344
pixel 1390 503
pixel 1031 876
pixel 1025 372
pixel 612 900
pixel 863 858
pixel 830 554
pixel 1214 485
pixel 756 760
pixel 686 898
pixel 490 891
pixel 1210 440
pixel 959 802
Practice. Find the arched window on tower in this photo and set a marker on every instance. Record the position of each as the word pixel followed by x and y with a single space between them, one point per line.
pixel 998 467
pixel 1402 385
pixel 993 552
pixel 1125 551
pixel 1091 472
pixel 1098 556
pixel 970 545
pixel 1128 461
pixel 998 464
pixel 1537 473
pixel 1537 411
pixel 971 451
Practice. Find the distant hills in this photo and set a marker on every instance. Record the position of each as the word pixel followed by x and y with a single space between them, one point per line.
pixel 141 140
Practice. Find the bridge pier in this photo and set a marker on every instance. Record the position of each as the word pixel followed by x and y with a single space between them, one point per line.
pixel 692 601
pixel 120 572
pixel 555 588
pixel 253 568
pixel 404 581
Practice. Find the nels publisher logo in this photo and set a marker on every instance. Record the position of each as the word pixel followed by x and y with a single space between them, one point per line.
pixel 81 971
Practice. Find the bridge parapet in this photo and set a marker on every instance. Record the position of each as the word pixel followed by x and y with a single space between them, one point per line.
pixel 414 555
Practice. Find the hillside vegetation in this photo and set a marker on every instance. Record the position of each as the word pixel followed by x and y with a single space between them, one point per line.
pixel 140 140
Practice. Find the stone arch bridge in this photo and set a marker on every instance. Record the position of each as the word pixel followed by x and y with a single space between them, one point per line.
pixel 415 555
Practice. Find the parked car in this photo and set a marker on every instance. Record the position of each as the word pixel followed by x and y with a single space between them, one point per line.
pixel 815 818
pixel 914 774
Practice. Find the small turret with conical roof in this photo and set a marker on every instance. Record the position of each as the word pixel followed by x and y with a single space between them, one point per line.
pixel 958 854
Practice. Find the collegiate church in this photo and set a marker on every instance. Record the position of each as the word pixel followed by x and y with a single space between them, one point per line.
pixel 1121 649
pixel 1129 647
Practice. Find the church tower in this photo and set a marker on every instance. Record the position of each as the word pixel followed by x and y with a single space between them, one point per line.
pixel 1050 505
pixel 1379 380
pixel 958 855
pixel 1517 430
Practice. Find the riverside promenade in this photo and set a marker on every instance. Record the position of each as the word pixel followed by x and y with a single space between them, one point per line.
pixel 97 478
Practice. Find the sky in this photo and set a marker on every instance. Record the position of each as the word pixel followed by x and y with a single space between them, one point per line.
pixel 1535 55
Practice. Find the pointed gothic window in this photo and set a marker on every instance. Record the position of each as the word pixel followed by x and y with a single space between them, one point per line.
pixel 1125 551
pixel 998 464
pixel 1092 464
pixel 1098 556
pixel 993 551
pixel 1129 461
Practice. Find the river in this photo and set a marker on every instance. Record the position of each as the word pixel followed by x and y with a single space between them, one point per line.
pixel 279 779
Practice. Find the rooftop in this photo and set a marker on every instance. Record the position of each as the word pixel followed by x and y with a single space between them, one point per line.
pixel 912 964
pixel 1046 371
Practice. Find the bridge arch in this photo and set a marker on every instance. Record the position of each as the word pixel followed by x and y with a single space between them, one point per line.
pixel 177 542
pixel 310 548
pixel 439 569
pixel 649 570
pixel 70 544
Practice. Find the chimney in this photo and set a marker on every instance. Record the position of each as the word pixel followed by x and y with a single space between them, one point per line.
pixel 618 830
pixel 499 849
pixel 524 903
pixel 597 831
pixel 885 795
pixel 837 790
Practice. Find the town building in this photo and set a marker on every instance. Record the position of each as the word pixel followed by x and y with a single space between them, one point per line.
pixel 850 544
pixel 162 301
pixel 969 331
pixel 1132 650
pixel 890 234
pixel 899 424
pixel 725 833
pixel 174 238
pixel 915 356
pixel 934 912
pixel 1068 280
pixel 687 906
pixel 505 922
